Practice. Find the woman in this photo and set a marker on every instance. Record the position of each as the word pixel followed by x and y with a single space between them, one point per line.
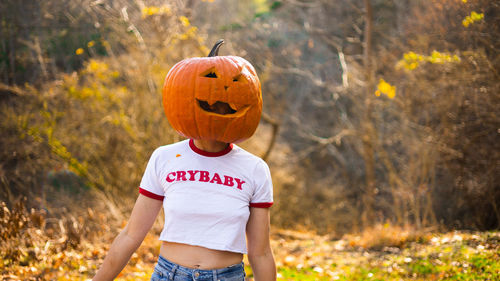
pixel 213 192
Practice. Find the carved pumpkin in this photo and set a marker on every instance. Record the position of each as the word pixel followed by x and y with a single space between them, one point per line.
pixel 213 98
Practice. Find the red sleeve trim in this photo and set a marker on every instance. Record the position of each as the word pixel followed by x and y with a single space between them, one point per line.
pixel 150 194
pixel 261 205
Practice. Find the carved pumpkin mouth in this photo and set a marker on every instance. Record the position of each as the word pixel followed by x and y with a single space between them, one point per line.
pixel 218 107
pixel 221 108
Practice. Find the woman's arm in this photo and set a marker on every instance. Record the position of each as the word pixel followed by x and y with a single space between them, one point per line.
pixel 130 238
pixel 260 254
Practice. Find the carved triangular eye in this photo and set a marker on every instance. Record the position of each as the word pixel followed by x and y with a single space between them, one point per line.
pixel 210 73
pixel 239 78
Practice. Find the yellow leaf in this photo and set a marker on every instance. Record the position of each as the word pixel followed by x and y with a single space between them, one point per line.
pixel 386 89
pixel 473 17
pixel 153 10
pixel 391 93
pixel 184 21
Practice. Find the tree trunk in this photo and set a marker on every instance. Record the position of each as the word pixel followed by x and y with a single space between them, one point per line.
pixel 368 130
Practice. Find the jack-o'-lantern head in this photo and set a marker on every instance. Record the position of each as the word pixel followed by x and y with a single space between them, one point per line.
pixel 213 98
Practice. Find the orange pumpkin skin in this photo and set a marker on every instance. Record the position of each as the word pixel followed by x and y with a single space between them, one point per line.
pixel 193 80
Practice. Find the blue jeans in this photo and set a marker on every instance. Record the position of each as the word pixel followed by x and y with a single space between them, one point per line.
pixel 167 270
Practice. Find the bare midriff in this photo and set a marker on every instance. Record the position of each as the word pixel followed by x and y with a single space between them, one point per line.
pixel 198 257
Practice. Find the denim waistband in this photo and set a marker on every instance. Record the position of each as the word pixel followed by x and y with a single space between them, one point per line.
pixel 171 269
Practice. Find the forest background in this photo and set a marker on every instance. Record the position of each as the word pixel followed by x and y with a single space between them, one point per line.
pixel 378 114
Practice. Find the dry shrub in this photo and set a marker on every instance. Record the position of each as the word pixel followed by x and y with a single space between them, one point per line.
pixel 100 122
pixel 454 106
pixel 12 224
pixel 384 236
pixel 37 243
pixel 77 146
pixel 68 232
pixel 29 235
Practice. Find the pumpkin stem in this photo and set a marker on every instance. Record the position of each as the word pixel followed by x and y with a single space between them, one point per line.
pixel 215 50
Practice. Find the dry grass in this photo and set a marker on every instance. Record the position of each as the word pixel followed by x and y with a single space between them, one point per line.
pixel 383 236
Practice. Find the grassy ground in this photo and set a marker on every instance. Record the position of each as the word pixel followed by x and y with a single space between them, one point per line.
pixel 299 256
pixel 450 256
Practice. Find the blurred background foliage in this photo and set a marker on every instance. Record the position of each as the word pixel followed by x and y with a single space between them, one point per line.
pixel 387 111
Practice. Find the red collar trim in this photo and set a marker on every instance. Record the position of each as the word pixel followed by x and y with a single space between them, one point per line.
pixel 210 154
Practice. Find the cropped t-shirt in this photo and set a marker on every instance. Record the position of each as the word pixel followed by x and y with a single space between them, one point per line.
pixel 207 196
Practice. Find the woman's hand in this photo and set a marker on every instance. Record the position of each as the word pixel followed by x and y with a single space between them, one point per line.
pixel 260 254
pixel 130 238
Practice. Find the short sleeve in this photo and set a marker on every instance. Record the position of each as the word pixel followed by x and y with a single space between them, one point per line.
pixel 263 192
pixel 150 185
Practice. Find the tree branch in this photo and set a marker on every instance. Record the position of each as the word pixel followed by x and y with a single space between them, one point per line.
pixel 14 90
pixel 275 125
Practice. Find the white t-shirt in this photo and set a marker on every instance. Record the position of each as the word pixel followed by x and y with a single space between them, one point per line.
pixel 206 196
